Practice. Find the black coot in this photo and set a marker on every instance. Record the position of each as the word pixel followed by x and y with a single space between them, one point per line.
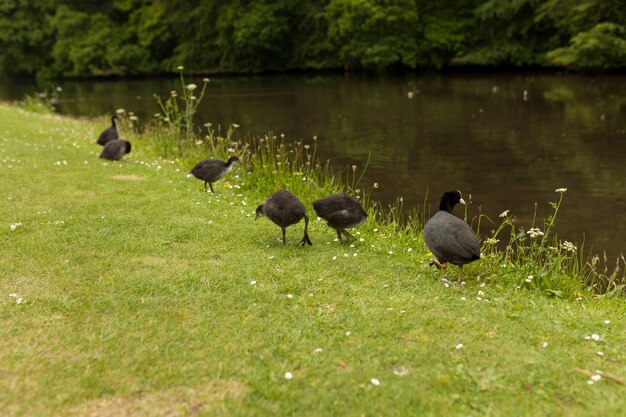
pixel 110 133
pixel 341 212
pixel 449 238
pixel 285 209
pixel 211 170
pixel 115 149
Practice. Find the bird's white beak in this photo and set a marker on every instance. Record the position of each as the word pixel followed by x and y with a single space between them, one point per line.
pixel 462 201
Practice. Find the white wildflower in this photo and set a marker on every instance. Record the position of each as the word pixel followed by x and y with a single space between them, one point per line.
pixel 16 225
pixel 120 111
pixel 560 190
pixel 595 336
pixel 534 232
pixel 529 278
pixel 596 377
pixel 600 353
pixel 504 213
pixel 459 346
pixel 288 375
pixel 180 68
pixel 568 246
pixel 491 241
pixel 375 382
pixel 375 185
pixel 607 321
pixel 134 118
pixel 205 80
pixel 318 350
pixel 290 296
pixel 252 282
pixel 545 344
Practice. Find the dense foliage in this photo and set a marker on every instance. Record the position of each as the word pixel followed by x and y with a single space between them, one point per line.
pixel 109 37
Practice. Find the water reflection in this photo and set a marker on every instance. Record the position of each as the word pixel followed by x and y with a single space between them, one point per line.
pixel 507 140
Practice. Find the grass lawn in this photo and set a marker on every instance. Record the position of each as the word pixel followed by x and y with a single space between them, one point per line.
pixel 143 296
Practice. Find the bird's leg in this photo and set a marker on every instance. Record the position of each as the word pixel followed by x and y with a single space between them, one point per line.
pixel 205 186
pixel 348 235
pixel 284 238
pixel 305 238
pixel 211 185
pixel 339 236
pixel 439 265
pixel 460 272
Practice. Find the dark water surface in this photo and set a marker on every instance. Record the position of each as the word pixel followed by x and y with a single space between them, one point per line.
pixel 508 140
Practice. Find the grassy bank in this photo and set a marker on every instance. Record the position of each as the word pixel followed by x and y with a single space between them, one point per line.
pixel 141 295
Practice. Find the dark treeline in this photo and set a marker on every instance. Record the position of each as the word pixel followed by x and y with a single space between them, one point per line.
pixel 51 38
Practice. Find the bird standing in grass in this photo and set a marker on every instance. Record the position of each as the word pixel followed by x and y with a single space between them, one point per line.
pixel 449 238
pixel 341 212
pixel 211 170
pixel 285 209
pixel 110 133
pixel 115 149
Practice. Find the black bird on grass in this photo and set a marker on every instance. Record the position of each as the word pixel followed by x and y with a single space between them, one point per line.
pixel 115 149
pixel 211 170
pixel 341 212
pixel 285 209
pixel 449 238
pixel 110 133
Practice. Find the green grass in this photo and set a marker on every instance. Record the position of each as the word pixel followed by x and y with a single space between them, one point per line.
pixel 139 302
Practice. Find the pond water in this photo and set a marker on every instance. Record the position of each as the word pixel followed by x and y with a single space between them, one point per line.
pixel 508 140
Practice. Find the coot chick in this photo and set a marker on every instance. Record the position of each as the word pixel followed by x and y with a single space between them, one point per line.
pixel 449 238
pixel 110 133
pixel 341 212
pixel 115 149
pixel 285 209
pixel 211 170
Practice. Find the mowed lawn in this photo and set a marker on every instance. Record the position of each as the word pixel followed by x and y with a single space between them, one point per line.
pixel 141 295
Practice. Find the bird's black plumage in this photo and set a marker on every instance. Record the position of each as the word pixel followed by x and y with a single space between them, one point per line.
pixel 211 170
pixel 449 238
pixel 115 149
pixel 285 209
pixel 341 212
pixel 110 133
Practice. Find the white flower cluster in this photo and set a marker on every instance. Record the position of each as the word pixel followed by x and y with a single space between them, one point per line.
pixel 534 232
pixel 18 298
pixel 504 213
pixel 16 225
pixel 560 190
pixel 568 246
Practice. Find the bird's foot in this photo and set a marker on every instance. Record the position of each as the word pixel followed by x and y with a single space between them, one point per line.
pixel 349 236
pixel 439 265
pixel 305 241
